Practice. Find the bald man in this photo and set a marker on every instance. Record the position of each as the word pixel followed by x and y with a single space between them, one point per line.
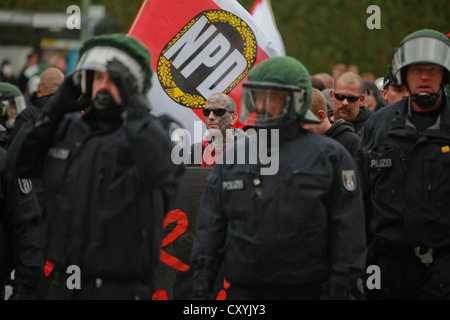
pixel 220 116
pixel 49 81
pixel 348 100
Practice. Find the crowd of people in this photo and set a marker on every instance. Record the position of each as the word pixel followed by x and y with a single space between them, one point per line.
pixel 363 178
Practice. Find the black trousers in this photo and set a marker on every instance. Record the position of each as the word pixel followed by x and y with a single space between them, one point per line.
pixel 97 288
pixel 405 277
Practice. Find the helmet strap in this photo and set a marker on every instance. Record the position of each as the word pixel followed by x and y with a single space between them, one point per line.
pixel 426 100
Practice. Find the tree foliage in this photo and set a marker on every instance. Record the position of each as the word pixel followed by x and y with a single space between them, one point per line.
pixel 320 33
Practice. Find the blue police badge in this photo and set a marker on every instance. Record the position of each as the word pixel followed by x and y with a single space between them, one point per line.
pixel 25 185
pixel 349 180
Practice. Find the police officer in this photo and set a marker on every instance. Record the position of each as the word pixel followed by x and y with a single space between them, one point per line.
pixel 108 176
pixel 12 103
pixel 405 160
pixel 297 233
pixel 392 92
pixel 20 247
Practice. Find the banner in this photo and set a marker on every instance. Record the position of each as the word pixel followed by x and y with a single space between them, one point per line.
pixel 175 275
pixel 263 15
pixel 198 47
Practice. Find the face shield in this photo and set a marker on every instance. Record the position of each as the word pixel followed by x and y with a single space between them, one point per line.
pixel 420 50
pixel 11 107
pixel 269 104
pixel 97 58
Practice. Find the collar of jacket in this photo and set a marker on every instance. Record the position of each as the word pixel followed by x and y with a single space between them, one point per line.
pixel 403 115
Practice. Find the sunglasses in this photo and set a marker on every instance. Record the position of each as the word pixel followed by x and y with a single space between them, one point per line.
pixel 217 112
pixel 342 97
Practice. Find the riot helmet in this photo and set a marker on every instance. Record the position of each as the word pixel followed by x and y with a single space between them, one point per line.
pixel 97 51
pixel 422 47
pixel 278 91
pixel 12 103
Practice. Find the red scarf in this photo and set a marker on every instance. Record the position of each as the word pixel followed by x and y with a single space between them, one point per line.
pixel 209 154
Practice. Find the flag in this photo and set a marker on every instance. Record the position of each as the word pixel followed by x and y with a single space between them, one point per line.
pixel 198 47
pixel 261 11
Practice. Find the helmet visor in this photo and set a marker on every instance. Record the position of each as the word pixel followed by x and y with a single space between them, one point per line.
pixel 426 50
pixel 267 104
pixel 13 106
pixel 97 58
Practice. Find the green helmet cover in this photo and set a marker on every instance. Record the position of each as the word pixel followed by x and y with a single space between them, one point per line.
pixel 97 51
pixel 8 90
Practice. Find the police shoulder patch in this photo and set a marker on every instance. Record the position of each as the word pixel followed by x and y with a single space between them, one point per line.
pixel 349 180
pixel 25 185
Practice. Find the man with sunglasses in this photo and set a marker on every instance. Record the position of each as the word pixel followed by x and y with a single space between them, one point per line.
pixel 405 164
pixel 348 100
pixel 220 116
pixel 340 130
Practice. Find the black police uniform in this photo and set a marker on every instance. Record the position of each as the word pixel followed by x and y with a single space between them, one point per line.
pixel 107 188
pixel 20 246
pixel 283 235
pixel 406 174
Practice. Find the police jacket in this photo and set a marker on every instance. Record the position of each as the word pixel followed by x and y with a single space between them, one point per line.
pixel 107 187
pixel 406 176
pixel 31 113
pixel 20 246
pixel 302 224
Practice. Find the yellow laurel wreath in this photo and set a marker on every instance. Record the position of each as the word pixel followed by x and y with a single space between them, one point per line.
pixel 249 52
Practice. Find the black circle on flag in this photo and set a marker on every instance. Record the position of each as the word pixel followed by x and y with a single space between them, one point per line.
pixel 212 53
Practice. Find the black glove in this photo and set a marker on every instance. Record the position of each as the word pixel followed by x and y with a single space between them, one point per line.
pixel 202 288
pixel 335 291
pixel 127 84
pixel 64 100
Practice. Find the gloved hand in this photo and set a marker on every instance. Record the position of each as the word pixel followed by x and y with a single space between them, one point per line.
pixel 64 100
pixel 335 291
pixel 202 288
pixel 127 84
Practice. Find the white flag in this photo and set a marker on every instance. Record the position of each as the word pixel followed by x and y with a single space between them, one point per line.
pixel 263 15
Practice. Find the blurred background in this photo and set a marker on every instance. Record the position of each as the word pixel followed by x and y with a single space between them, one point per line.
pixel 321 34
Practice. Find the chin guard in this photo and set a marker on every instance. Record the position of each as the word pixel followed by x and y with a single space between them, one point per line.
pixel 104 100
pixel 426 100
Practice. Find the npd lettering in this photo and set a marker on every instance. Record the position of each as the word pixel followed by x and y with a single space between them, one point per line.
pixel 212 53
